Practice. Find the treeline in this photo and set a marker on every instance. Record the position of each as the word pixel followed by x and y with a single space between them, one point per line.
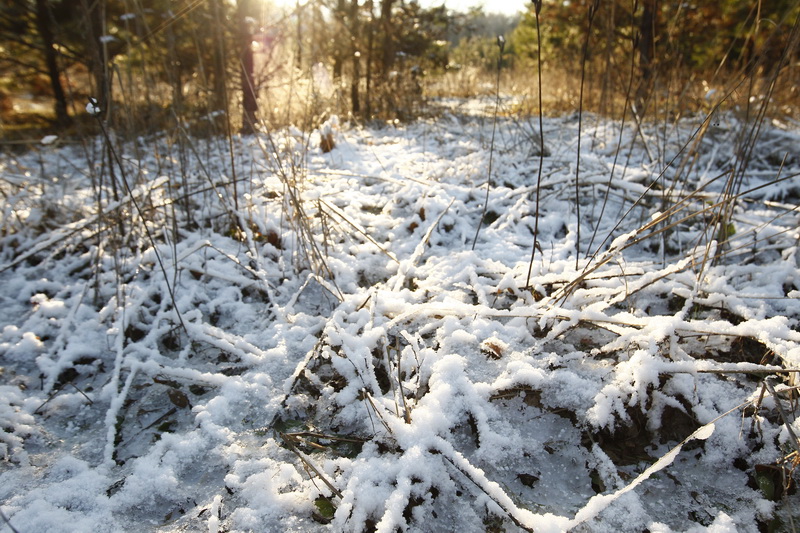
pixel 660 47
pixel 166 58
pixel 162 60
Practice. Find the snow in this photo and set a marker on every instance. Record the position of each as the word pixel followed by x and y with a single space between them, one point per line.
pixel 337 341
pixel 93 108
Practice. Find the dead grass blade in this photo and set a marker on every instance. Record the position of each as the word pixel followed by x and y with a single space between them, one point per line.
pixel 290 442
pixel 479 479
pixel 358 227
pixel 601 501
pixel 786 422
pixel 409 263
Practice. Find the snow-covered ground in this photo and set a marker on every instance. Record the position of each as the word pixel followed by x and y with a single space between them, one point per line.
pixel 325 351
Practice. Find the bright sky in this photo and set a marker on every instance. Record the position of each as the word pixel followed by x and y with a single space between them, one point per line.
pixel 509 7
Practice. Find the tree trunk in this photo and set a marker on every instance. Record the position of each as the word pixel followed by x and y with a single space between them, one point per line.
pixel 388 37
pixel 249 102
pixel 219 96
pixel 339 15
pixel 43 26
pixel 370 48
pixel 647 27
pixel 356 54
pixel 174 72
pixel 299 52
pixel 95 13
pixel 318 25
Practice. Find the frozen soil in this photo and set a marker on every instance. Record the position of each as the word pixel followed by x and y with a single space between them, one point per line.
pixel 281 339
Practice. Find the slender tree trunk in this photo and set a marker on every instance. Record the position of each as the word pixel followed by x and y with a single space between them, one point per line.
pixel 355 101
pixel 388 38
pixel 607 93
pixel 316 45
pixel 95 14
pixel 339 15
pixel 370 49
pixel 219 96
pixel 174 73
pixel 43 26
pixel 249 101
pixel 299 53
pixel 647 27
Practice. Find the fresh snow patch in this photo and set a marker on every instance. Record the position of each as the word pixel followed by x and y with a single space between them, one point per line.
pixel 334 356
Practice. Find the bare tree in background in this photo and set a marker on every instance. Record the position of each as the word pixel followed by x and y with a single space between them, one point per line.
pixel 54 73
pixel 245 22
pixel 388 37
pixel 355 101
pixel 94 13
pixel 647 33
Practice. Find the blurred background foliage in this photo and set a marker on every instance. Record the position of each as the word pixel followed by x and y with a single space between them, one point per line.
pixel 218 66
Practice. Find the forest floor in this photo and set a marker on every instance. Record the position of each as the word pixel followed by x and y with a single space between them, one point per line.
pixel 321 347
